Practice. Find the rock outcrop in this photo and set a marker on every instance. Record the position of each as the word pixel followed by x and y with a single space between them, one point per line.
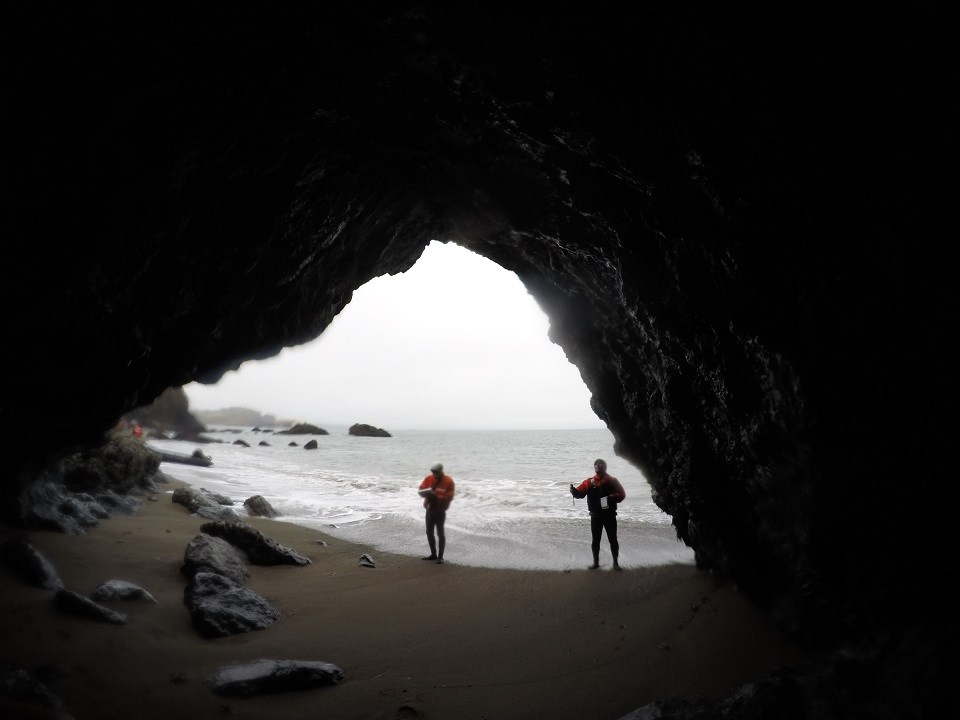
pixel 303 429
pixel 207 553
pixel 259 506
pixel 734 230
pixel 260 549
pixel 220 606
pixel 364 430
pixel 204 504
pixel 169 416
pixel 273 676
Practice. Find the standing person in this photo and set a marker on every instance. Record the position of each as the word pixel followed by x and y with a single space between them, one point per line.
pixel 437 493
pixel 603 492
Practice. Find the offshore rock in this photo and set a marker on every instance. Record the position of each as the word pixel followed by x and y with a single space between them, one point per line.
pixel 364 430
pixel 220 607
pixel 303 429
pixel 260 549
pixel 272 676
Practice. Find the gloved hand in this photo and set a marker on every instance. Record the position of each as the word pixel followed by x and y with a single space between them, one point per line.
pixel 573 490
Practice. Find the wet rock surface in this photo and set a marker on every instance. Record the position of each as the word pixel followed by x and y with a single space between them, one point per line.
pixel 121 590
pixel 219 606
pixel 260 549
pixel 257 505
pixel 364 430
pixel 273 676
pixel 205 504
pixel 208 553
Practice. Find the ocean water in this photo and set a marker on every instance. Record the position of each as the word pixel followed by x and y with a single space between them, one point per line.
pixel 512 508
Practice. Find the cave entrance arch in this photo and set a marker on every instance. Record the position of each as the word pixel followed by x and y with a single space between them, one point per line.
pixel 455 342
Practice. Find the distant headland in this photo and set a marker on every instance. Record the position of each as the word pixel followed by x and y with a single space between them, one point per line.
pixel 170 416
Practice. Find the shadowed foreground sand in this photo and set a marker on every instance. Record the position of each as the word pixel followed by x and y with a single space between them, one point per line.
pixel 414 639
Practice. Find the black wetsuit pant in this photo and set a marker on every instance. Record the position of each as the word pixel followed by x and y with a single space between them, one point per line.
pixel 435 520
pixel 604 520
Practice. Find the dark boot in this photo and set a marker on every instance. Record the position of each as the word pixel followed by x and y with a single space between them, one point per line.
pixel 433 549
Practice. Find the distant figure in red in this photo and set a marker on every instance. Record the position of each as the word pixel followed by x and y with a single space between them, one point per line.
pixel 603 492
pixel 437 493
pixel 137 431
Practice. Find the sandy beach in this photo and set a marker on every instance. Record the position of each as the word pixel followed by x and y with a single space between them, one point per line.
pixel 413 638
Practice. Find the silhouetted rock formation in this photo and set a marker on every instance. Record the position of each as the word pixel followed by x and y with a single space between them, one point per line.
pixel 303 429
pixel 732 230
pixel 364 430
pixel 169 416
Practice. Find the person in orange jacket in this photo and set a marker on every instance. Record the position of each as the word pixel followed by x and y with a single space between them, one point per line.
pixel 437 493
pixel 603 492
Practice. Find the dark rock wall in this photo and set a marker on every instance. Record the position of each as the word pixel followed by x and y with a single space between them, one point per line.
pixel 733 221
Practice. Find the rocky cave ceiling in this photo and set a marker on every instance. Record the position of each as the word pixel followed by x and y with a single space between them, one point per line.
pixel 732 222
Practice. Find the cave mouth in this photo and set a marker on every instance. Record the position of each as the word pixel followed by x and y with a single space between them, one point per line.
pixel 455 342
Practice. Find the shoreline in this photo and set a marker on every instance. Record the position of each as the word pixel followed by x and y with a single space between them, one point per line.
pixel 533 542
pixel 413 639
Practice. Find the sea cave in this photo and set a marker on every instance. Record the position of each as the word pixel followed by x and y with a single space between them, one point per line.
pixel 732 220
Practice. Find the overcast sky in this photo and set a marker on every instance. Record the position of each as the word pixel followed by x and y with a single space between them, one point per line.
pixel 454 343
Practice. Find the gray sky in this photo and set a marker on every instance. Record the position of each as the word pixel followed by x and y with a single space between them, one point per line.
pixel 454 343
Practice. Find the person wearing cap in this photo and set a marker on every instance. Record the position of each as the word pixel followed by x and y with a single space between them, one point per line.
pixel 437 493
pixel 603 492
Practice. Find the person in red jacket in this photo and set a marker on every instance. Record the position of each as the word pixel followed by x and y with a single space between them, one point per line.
pixel 602 492
pixel 437 493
